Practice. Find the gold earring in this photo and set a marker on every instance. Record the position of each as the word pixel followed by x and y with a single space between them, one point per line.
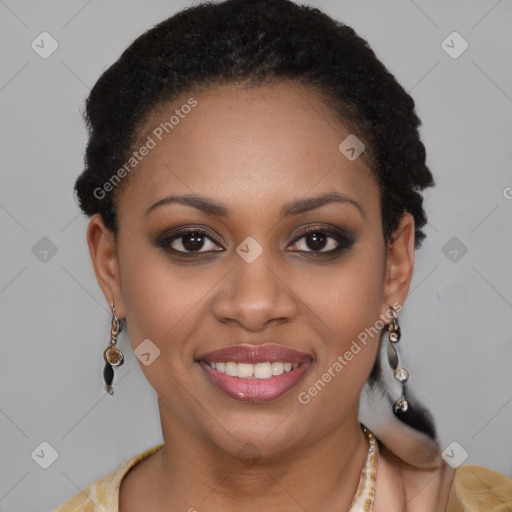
pixel 401 406
pixel 112 355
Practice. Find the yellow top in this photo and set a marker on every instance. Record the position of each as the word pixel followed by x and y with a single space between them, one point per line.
pixel 474 489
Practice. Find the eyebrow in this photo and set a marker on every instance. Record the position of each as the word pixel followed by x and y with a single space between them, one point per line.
pixel 295 207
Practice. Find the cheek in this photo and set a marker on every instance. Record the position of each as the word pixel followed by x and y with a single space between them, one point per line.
pixel 346 357
pixel 349 303
pixel 164 303
pixel 349 296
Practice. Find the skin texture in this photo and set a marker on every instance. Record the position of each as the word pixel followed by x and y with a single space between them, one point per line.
pixel 253 150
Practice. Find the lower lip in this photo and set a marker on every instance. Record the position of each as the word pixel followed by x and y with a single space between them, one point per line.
pixel 253 389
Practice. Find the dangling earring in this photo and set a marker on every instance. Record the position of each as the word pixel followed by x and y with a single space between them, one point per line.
pixel 401 406
pixel 112 355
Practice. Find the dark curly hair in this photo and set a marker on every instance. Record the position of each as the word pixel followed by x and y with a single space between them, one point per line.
pixel 254 42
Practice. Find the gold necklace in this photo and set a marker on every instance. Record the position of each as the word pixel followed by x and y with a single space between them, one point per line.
pixel 365 494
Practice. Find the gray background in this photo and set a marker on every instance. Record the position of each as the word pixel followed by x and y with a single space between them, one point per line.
pixel 457 342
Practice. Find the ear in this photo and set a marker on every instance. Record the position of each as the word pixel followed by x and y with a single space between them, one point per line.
pixel 399 263
pixel 102 248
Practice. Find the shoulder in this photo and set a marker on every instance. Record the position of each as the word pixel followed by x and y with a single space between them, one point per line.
pixel 477 488
pixel 96 496
pixel 104 493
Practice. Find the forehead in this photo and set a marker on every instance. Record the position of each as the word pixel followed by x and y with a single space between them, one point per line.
pixel 273 142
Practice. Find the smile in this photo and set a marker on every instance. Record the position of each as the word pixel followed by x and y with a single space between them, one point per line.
pixel 255 373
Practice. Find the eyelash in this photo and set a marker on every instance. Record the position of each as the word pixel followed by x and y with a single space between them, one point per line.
pixel 344 240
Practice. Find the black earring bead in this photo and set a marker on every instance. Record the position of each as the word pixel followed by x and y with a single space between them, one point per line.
pixel 108 375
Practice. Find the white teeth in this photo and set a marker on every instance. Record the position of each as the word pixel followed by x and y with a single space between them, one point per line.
pixel 257 370
pixel 254 371
pixel 231 369
pixel 262 371
pixel 245 370
pixel 277 368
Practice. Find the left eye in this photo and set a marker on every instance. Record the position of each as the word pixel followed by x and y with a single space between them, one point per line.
pixel 321 241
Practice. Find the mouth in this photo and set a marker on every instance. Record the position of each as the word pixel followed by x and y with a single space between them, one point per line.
pixel 255 373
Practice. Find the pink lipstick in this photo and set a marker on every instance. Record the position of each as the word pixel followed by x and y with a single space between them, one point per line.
pixel 255 374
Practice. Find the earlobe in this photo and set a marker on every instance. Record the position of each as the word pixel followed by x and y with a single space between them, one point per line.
pixel 102 248
pixel 400 262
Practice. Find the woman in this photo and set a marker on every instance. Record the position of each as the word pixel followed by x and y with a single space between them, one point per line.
pixel 253 177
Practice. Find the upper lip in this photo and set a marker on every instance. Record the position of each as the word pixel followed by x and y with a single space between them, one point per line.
pixel 246 353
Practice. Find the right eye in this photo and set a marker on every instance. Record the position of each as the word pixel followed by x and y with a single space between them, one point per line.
pixel 188 242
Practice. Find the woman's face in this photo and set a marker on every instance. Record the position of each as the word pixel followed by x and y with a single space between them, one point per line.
pixel 257 167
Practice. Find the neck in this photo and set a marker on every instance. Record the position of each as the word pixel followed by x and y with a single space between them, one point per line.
pixel 321 475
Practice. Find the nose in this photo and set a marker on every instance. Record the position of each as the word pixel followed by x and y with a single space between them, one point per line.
pixel 255 296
